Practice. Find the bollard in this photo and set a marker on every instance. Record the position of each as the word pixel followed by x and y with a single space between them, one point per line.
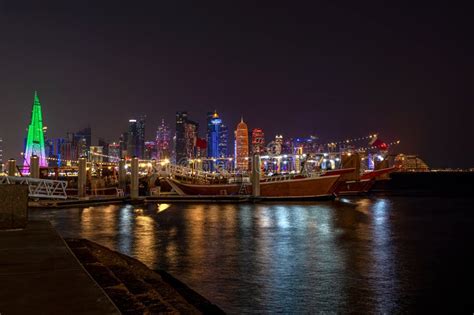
pixel 34 166
pixel 134 179
pixel 82 178
pixel 256 175
pixel 11 167
pixel 122 175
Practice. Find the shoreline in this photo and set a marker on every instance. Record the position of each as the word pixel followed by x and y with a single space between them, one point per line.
pixel 135 288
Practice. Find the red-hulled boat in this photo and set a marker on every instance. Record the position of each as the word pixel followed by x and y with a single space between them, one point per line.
pixel 361 184
pixel 321 187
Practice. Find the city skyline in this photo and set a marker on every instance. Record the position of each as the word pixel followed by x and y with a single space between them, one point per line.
pixel 316 69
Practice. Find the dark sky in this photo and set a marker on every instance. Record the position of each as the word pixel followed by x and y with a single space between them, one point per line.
pixel 329 69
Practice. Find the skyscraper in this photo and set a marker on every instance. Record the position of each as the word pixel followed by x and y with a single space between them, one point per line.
pixel 163 141
pixel 35 138
pixel 136 137
pixel 1 151
pixel 114 152
pixel 241 146
pixel 150 150
pixel 186 137
pixel 258 141
pixel 214 124
pixel 191 137
pixel 105 149
pixel 180 149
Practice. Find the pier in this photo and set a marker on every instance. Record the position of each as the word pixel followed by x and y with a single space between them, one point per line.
pixel 40 274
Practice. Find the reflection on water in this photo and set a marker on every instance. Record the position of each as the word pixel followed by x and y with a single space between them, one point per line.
pixel 353 255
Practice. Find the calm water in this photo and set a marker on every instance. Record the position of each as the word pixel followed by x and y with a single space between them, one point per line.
pixel 362 255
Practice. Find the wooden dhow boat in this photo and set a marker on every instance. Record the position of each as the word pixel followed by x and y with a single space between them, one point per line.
pixel 275 187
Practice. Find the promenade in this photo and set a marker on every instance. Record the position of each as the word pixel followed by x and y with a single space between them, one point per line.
pixel 40 275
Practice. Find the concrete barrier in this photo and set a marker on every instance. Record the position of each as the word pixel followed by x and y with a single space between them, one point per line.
pixel 13 206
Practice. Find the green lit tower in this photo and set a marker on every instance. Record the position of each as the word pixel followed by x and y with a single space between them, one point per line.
pixel 35 139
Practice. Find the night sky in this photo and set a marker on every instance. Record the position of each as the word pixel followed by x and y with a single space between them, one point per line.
pixel 326 69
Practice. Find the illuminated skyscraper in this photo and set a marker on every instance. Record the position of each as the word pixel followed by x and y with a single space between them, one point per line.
pixel 191 136
pixel 258 141
pixel 217 136
pixel 136 137
pixel 1 151
pixel 241 146
pixel 163 141
pixel 114 152
pixel 186 137
pixel 150 150
pixel 35 138
pixel 180 148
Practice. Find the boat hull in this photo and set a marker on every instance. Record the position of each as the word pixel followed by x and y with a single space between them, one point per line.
pixel 354 187
pixel 304 188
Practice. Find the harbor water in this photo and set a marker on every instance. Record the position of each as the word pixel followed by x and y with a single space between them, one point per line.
pixel 364 255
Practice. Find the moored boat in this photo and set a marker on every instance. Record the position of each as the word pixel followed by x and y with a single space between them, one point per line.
pixel 352 183
pixel 278 187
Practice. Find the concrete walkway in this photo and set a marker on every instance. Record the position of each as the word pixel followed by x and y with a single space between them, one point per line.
pixel 40 275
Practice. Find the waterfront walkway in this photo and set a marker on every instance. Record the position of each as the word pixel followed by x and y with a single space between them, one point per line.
pixel 40 275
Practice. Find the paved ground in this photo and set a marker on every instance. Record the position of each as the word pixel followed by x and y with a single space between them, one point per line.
pixel 40 275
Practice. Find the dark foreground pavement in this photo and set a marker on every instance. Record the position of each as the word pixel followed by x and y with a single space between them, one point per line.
pixel 40 275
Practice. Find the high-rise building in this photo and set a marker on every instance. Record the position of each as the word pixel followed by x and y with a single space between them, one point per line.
pixel 136 137
pixel 114 152
pixel 191 136
pixel 181 120
pixel 105 149
pixel 258 141
pixel 186 137
pixel 163 141
pixel 150 150
pixel 123 144
pixel 80 143
pixel 1 151
pixel 54 151
pixel 214 124
pixel 241 146
pixel 35 138
pixel 96 154
pixel 223 141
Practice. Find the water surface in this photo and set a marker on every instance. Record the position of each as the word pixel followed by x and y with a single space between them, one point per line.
pixel 355 255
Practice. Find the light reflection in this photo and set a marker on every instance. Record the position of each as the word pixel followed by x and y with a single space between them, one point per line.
pixel 144 236
pixel 125 226
pixel 162 206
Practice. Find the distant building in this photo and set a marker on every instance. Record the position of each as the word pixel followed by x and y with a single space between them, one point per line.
pixel 213 131
pixel 80 141
pixel 217 138
pixel 180 148
pixel 241 146
pixel 224 141
pixel 114 152
pixel 301 145
pixel 123 142
pixel 96 154
pixel 55 149
pixel 163 141
pixel 186 137
pixel 258 141
pixel 275 146
pixel 191 136
pixel 136 137
pixel 1 151
pixel 105 149
pixel 150 150
pixel 410 163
